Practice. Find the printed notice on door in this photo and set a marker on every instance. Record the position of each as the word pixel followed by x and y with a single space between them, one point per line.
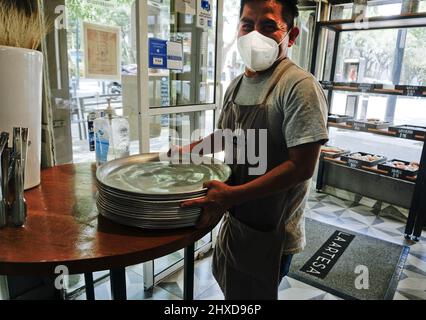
pixel 102 52
pixel 174 55
pixel 185 6
pixel 204 14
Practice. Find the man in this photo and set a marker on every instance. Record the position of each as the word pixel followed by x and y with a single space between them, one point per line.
pixel 264 225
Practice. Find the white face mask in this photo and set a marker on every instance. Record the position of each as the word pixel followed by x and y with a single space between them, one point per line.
pixel 260 52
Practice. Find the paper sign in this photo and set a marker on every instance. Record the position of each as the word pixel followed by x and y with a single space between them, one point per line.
pixel 204 14
pixel 185 6
pixel 165 94
pixel 174 55
pixel 165 54
pixel 102 52
pixel 327 85
pixel 366 87
pixel 157 53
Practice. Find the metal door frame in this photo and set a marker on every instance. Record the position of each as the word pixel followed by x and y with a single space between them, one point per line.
pixel 145 112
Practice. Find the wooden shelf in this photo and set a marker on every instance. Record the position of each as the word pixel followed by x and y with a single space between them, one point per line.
pixel 375 131
pixel 373 170
pixel 389 22
pixel 398 92
pixel 366 181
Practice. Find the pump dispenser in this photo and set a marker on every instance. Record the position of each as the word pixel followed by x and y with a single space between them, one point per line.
pixel 112 138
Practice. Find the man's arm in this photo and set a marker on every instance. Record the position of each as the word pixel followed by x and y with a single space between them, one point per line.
pixel 221 197
pixel 300 167
pixel 207 141
pixel 305 130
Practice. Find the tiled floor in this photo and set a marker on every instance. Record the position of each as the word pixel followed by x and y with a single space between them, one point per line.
pixel 324 208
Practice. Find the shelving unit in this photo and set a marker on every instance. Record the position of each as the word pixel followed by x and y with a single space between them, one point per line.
pixel 389 22
pixel 375 131
pixel 372 178
pixel 409 91
pixel 368 169
pixel 341 176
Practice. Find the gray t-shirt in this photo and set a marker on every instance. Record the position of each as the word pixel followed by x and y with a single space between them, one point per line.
pixel 297 115
pixel 298 112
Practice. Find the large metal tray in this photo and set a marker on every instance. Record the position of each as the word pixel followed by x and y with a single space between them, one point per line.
pixel 142 175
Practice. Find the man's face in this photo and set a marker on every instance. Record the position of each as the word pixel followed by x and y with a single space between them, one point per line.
pixel 266 18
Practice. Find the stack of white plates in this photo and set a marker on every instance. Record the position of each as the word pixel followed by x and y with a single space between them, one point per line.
pixel 142 191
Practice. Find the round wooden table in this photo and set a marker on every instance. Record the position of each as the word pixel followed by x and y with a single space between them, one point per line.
pixel 65 229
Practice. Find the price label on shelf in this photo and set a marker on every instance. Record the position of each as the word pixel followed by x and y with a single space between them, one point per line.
pixel 353 163
pixel 414 91
pixel 406 134
pixel 396 173
pixel 366 87
pixel 411 91
pixel 360 126
pixel 327 85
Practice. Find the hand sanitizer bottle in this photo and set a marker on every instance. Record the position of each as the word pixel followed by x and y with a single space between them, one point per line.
pixel 112 139
pixel 120 137
pixel 102 132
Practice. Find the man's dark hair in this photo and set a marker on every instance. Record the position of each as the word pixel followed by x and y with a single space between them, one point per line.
pixel 290 10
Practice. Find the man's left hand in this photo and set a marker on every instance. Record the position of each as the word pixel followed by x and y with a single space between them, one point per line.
pixel 220 198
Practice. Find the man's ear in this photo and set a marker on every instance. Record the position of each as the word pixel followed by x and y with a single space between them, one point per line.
pixel 294 33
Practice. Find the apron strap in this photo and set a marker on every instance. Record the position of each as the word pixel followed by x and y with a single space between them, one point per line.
pixel 230 94
pixel 237 87
pixel 276 76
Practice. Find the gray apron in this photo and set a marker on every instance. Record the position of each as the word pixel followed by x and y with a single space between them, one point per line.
pixel 247 256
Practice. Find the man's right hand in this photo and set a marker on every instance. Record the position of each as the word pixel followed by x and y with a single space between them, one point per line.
pixel 179 150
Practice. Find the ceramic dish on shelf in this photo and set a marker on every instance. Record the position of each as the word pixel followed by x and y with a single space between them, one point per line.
pixel 333 152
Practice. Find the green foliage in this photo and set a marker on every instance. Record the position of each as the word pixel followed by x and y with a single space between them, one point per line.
pixel 92 11
pixel 376 47
pixel 414 60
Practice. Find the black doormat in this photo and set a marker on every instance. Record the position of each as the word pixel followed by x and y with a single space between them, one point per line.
pixel 347 264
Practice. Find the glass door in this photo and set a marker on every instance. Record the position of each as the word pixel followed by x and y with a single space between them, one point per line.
pixel 179 89
pixel 102 69
pixel 92 58
pixel 109 56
